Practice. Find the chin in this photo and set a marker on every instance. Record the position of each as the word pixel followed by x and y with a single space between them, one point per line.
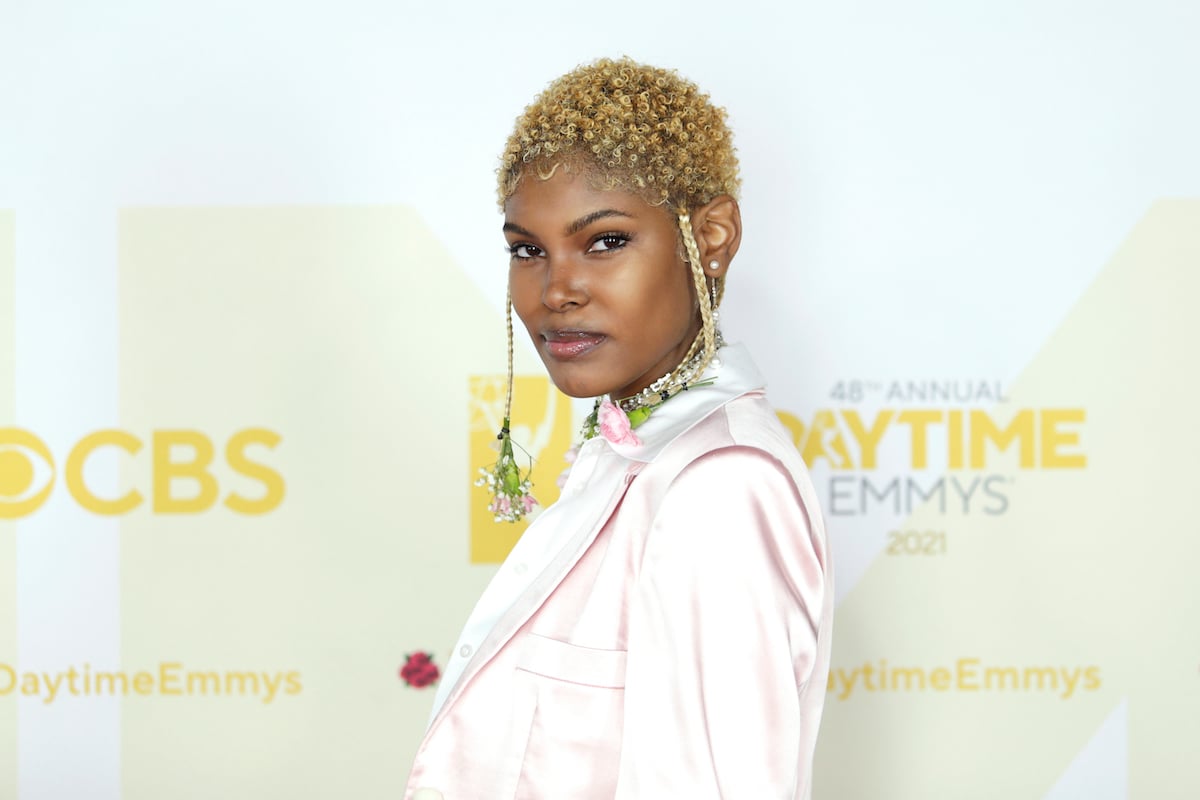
pixel 575 388
pixel 576 383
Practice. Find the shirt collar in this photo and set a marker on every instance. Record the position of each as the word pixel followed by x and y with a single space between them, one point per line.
pixel 735 376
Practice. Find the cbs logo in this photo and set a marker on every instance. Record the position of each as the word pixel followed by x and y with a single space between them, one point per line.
pixel 28 472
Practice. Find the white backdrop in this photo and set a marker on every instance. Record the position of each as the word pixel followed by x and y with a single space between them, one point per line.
pixel 219 217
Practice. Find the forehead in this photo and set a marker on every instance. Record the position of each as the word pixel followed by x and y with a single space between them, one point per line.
pixel 566 196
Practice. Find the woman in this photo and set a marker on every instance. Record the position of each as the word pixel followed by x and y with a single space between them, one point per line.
pixel 663 630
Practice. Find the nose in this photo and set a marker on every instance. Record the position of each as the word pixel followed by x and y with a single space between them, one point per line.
pixel 564 285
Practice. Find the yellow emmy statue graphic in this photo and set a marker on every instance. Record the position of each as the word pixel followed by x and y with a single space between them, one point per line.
pixel 541 425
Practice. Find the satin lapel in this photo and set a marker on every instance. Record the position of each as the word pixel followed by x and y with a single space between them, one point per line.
pixel 536 593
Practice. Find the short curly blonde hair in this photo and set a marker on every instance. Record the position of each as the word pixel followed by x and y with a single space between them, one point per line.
pixel 626 126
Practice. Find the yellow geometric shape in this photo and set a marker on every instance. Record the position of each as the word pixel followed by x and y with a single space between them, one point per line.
pixel 351 333
pixel 16 473
pixel 18 449
pixel 541 428
pixel 8 540
pixel 1081 595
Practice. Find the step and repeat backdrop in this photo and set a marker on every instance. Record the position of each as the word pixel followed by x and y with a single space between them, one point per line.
pixel 252 354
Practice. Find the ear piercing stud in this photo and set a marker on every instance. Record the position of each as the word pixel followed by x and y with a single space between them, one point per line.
pixel 714 265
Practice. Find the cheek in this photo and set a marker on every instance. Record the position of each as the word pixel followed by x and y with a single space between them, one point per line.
pixel 673 297
pixel 658 292
pixel 525 291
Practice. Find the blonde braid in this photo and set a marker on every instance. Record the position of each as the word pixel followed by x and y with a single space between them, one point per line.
pixel 509 389
pixel 708 328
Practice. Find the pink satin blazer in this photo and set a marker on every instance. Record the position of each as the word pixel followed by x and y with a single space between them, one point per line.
pixel 675 646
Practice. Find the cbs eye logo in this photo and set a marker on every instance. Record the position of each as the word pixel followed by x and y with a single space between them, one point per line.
pixel 28 472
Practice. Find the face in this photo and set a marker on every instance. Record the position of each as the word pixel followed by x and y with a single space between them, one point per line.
pixel 596 277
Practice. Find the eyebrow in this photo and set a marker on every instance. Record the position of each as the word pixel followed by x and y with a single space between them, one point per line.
pixel 588 219
pixel 576 226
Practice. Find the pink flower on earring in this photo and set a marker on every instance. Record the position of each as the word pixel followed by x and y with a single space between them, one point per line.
pixel 614 425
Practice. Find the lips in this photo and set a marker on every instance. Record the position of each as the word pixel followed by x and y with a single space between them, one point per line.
pixel 568 344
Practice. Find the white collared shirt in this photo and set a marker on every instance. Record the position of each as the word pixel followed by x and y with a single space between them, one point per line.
pixel 596 473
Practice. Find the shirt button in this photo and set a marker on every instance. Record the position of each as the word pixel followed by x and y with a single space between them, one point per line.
pixel 465 650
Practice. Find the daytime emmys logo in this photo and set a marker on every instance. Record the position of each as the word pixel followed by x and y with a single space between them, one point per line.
pixel 28 472
pixel 962 427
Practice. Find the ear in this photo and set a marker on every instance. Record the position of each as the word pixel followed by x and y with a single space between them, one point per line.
pixel 718 229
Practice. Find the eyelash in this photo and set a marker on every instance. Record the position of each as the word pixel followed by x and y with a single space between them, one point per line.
pixel 618 240
pixel 512 251
pixel 621 239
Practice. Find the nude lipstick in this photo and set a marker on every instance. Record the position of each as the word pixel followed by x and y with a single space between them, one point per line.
pixel 565 345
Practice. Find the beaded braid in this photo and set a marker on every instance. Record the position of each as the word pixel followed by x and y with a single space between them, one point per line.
pixel 707 338
pixel 509 330
pixel 708 329
pixel 693 251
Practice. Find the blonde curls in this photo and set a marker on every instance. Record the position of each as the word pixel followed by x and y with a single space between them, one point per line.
pixel 626 126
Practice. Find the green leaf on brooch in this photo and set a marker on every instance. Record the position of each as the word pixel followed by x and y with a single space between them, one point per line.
pixel 638 416
pixel 511 478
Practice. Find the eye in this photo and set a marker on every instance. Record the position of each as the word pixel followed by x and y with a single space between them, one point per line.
pixel 522 251
pixel 609 241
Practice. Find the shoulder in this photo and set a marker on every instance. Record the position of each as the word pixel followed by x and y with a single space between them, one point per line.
pixel 743 434
pixel 741 458
pixel 738 506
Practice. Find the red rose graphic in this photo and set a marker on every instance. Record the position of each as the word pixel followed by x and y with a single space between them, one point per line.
pixel 419 670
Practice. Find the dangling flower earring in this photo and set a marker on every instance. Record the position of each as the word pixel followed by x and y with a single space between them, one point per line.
pixel 508 483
